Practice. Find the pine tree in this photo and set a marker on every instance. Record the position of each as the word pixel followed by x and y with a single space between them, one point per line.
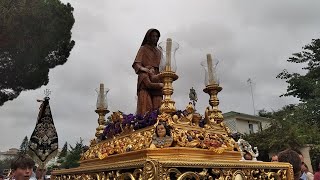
pixel 35 36
pixel 73 156
pixel 64 150
pixel 63 153
pixel 24 146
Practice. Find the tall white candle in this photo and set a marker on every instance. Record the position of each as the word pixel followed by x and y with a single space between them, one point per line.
pixel 101 87
pixel 168 54
pixel 101 96
pixel 210 70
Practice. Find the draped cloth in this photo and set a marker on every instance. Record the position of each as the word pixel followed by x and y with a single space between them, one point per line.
pixel 149 95
pixel 43 144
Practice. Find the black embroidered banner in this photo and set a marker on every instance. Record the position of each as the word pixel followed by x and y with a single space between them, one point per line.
pixel 43 144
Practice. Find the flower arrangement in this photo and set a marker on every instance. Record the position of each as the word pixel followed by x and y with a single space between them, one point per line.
pixel 119 123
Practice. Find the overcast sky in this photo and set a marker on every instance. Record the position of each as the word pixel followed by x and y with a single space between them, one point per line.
pixel 252 39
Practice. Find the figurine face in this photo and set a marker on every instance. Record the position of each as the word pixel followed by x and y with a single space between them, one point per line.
pixel 274 158
pixel 154 37
pixel 161 130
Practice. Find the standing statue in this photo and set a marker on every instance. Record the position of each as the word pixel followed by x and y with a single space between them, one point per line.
pixel 146 66
pixel 193 96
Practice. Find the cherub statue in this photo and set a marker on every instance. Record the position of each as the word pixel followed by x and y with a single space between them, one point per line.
pixel 246 150
pixel 162 137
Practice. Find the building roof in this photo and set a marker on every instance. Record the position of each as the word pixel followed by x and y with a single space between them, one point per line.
pixel 243 115
pixel 11 151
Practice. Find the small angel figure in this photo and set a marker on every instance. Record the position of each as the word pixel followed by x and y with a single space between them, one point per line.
pixel 162 137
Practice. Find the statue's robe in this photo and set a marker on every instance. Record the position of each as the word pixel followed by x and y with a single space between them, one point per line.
pixel 149 91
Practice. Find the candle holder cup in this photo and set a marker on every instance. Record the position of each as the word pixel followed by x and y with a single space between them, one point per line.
pixel 167 74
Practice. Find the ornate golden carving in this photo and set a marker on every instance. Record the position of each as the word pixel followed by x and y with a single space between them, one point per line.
pixel 130 142
pixel 101 121
pixel 203 139
pixel 167 105
pixel 184 168
pixel 224 174
pixel 150 170
pixel 166 118
pixel 189 117
pixel 213 114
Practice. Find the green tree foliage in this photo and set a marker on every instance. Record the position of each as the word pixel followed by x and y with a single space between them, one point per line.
pixel 286 130
pixel 297 124
pixel 24 146
pixel 73 156
pixel 5 164
pixel 315 154
pixel 64 150
pixel 63 153
pixel 35 36
pixel 305 87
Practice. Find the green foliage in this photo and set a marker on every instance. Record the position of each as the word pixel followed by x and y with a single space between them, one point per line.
pixel 24 146
pixel 299 124
pixel 264 113
pixel 64 151
pixel 283 132
pixel 288 129
pixel 35 36
pixel 315 154
pixel 5 164
pixel 73 156
pixel 305 87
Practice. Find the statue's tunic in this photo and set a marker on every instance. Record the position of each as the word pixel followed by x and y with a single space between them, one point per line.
pixel 149 93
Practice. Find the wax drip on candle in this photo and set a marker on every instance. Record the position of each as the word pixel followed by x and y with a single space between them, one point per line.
pixel 210 70
pixel 101 97
pixel 101 87
pixel 168 54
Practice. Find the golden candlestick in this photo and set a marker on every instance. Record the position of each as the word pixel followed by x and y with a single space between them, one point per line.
pixel 167 104
pixel 102 109
pixel 101 121
pixel 213 114
pixel 168 75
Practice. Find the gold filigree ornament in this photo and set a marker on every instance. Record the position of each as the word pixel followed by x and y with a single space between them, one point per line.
pixel 165 117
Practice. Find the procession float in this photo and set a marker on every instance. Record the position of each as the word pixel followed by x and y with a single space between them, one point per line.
pixel 168 143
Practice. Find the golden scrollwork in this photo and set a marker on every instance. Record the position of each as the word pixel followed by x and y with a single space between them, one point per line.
pixel 150 170
pixel 224 174
pixel 166 169
pixel 167 105
pixel 164 117
pixel 203 139
pixel 135 141
pixel 188 117
pixel 101 121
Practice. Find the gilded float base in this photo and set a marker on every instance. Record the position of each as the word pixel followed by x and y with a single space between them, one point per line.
pixel 175 163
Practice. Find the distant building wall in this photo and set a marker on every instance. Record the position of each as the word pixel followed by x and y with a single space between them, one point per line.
pixel 245 123
pixel 11 153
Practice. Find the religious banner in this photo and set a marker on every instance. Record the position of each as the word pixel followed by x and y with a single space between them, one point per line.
pixel 43 144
